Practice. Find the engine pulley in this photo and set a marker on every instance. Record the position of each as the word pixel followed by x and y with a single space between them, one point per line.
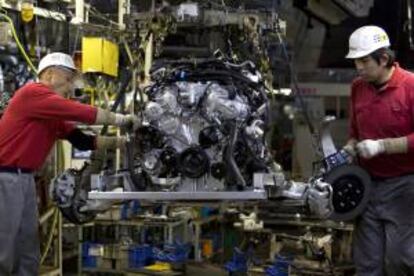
pixel 193 162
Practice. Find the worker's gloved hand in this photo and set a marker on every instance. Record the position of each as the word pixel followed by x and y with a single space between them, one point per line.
pixel 320 199
pixel 350 149
pixel 106 117
pixel 97 205
pixel 127 121
pixel 369 148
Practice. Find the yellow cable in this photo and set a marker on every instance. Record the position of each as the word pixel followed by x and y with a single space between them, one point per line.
pixel 50 237
pixel 16 38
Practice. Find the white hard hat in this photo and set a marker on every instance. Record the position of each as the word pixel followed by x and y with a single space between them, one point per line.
pixel 366 40
pixel 56 59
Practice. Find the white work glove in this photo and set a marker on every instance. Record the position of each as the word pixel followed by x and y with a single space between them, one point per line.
pixel 127 121
pixel 320 199
pixel 350 149
pixel 96 205
pixel 369 148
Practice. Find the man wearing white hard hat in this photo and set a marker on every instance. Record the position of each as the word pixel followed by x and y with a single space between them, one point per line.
pixel 39 114
pixel 381 137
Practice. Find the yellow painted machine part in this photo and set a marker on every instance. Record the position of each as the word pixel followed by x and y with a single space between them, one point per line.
pixel 111 57
pixel 99 56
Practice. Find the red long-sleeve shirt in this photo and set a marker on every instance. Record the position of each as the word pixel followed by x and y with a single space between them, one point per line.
pixel 34 119
pixel 387 113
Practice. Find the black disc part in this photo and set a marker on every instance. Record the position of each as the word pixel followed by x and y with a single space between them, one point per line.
pixel 72 212
pixel 193 162
pixel 73 215
pixel 351 187
pixel 77 200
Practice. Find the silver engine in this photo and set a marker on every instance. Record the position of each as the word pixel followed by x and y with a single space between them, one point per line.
pixel 204 132
pixel 204 137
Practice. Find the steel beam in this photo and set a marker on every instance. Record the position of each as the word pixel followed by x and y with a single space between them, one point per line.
pixel 175 196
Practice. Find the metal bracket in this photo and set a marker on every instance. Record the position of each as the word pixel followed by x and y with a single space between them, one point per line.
pixel 184 196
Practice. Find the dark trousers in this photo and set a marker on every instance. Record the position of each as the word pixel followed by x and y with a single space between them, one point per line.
pixel 19 240
pixel 384 233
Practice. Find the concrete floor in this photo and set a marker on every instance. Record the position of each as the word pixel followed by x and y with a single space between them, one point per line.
pixel 193 269
pixel 203 269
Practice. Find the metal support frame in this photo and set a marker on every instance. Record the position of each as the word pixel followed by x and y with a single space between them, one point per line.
pixel 149 52
pixel 55 238
pixel 36 10
pixel 198 223
pixel 123 9
pixel 56 269
pixel 79 11
pixel 190 196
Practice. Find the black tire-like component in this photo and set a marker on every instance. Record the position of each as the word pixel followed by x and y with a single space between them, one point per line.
pixel 72 212
pixel 73 215
pixel 193 162
pixel 77 200
pixel 351 187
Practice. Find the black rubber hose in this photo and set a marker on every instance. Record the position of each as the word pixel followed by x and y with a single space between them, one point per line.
pixel 229 155
pixel 138 180
pixel 125 78
pixel 266 115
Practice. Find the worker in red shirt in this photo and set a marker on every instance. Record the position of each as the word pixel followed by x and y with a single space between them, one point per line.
pixel 382 135
pixel 38 115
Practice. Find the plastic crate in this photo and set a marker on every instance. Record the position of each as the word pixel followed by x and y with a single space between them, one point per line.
pixel 238 262
pixel 89 261
pixel 139 256
pixel 172 253
pixel 280 266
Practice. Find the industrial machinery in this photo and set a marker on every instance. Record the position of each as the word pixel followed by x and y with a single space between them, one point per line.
pixel 202 138
pixel 203 128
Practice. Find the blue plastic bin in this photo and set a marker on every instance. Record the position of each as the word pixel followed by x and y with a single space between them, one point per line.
pixel 139 256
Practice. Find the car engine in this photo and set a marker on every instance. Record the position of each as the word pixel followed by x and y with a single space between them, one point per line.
pixel 204 127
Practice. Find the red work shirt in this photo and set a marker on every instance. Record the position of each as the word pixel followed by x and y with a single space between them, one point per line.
pixel 34 119
pixel 385 113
